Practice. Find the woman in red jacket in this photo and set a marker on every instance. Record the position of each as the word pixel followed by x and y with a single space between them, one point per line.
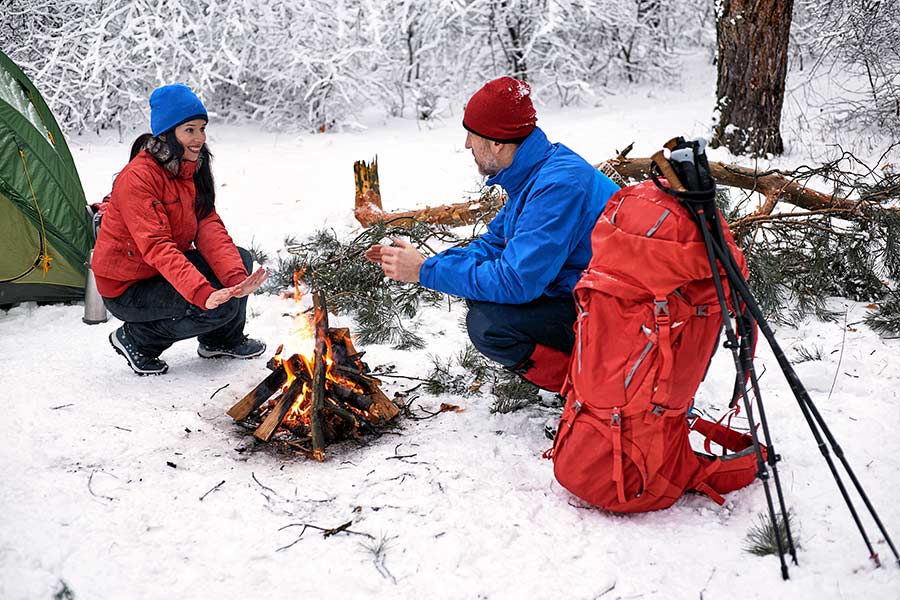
pixel 164 263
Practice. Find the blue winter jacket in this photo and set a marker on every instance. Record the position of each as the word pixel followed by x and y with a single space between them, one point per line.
pixel 540 241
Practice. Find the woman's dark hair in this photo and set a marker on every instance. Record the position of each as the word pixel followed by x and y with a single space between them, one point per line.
pixel 168 151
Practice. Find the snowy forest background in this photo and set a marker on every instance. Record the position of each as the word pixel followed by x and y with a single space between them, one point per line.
pixel 316 64
pixel 147 489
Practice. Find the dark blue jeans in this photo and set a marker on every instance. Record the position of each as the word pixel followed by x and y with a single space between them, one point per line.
pixel 508 333
pixel 156 315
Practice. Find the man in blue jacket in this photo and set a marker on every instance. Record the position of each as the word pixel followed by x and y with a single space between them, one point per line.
pixel 518 277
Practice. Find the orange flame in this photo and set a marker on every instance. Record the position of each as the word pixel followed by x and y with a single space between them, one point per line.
pixel 302 344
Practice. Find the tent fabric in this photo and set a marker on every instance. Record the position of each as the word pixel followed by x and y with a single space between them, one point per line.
pixel 45 230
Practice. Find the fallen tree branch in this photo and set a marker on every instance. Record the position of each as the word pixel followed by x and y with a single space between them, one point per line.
pixel 368 212
pixel 774 185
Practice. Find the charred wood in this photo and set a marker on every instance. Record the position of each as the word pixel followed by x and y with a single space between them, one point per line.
pixel 317 409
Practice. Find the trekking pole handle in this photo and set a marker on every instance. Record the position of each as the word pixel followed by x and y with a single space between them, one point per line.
pixel 659 158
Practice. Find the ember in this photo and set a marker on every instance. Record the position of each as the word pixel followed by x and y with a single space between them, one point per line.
pixel 323 399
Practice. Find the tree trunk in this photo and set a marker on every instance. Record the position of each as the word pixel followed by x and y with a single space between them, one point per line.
pixel 752 39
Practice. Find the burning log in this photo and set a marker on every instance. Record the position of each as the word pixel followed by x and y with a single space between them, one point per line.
pixel 277 414
pixel 268 386
pixel 322 399
pixel 317 410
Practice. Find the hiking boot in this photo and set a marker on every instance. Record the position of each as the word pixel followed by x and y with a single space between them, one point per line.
pixel 140 363
pixel 246 348
pixel 550 428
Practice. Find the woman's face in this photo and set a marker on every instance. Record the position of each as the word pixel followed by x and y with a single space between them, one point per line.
pixel 191 135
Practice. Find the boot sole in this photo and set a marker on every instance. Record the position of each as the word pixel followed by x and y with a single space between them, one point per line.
pixel 121 352
pixel 222 354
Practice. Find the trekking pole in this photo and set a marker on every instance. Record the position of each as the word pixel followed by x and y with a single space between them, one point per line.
pixel 813 417
pixel 701 218
pixel 699 199
pixel 745 329
pixel 683 154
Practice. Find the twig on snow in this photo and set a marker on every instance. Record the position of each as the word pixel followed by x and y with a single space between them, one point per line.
pixel 606 591
pixel 837 369
pixel 91 489
pixel 708 579
pixel 253 475
pixel 214 488
pixel 219 390
pixel 326 531
pixel 378 548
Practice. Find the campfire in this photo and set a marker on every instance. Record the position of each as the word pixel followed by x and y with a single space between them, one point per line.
pixel 320 400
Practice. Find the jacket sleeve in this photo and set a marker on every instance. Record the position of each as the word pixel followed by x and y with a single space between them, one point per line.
pixel 546 232
pixel 148 224
pixel 217 247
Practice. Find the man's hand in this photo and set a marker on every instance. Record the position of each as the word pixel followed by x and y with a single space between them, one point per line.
pixel 244 288
pixel 400 261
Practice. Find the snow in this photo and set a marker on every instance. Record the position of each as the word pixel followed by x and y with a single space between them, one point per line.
pixel 103 472
pixel 12 93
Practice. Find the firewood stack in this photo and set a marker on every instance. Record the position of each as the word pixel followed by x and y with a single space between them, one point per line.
pixel 328 398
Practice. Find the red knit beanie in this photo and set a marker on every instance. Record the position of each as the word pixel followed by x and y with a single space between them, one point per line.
pixel 501 111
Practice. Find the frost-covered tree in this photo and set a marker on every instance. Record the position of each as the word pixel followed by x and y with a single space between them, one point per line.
pixel 752 40
pixel 314 64
pixel 851 46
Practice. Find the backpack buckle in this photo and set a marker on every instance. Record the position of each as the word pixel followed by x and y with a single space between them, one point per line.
pixel 661 311
pixel 662 307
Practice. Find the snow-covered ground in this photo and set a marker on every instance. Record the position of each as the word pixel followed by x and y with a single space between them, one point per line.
pixel 105 474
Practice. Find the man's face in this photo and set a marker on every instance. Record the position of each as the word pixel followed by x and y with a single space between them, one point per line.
pixel 488 162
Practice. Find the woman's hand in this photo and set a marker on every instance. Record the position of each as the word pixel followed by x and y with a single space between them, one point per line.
pixel 244 288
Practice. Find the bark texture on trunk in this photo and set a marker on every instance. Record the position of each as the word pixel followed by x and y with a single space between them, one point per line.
pixel 752 39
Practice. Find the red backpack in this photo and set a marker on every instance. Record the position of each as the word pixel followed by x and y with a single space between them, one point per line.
pixel 648 324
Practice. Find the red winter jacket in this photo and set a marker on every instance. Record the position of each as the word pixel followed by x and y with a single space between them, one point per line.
pixel 149 225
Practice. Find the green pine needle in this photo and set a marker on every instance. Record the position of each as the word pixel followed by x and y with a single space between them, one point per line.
pixel 761 540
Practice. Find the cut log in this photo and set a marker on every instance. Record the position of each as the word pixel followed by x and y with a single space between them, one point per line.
pixel 345 414
pixel 268 386
pixel 384 409
pixel 277 414
pixel 262 392
pixel 317 409
pixel 368 192
pixel 347 396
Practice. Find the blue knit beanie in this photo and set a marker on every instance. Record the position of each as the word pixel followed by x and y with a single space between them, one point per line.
pixel 172 105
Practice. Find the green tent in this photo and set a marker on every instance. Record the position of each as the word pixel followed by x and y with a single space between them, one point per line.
pixel 45 230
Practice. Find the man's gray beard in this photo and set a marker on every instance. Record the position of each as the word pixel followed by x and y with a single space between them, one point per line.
pixel 485 171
